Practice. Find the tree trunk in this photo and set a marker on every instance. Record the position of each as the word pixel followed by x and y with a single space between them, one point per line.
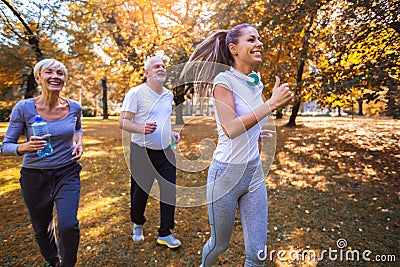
pixel 105 107
pixel 339 112
pixel 179 98
pixel 360 107
pixel 295 111
pixel 179 115
pixel 297 103
pixel 31 86
pixel 300 71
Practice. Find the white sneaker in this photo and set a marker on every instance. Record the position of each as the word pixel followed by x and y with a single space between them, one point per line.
pixel 137 233
pixel 169 241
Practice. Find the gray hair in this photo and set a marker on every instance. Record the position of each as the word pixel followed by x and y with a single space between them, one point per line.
pixel 48 63
pixel 148 60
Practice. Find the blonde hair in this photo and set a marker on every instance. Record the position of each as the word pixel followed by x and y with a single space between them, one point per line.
pixel 48 63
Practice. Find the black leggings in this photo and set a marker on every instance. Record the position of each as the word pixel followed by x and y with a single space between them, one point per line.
pixel 147 164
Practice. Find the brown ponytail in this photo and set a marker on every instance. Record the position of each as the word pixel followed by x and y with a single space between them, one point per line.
pixel 208 59
pixel 212 56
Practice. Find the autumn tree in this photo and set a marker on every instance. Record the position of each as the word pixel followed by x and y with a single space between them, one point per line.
pixel 359 55
pixel 287 29
pixel 342 50
pixel 125 33
pixel 28 35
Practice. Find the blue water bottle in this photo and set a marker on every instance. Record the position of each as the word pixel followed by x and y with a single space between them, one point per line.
pixel 173 141
pixel 39 128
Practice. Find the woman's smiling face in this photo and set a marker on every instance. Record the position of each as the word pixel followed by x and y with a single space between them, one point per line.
pixel 52 78
pixel 248 48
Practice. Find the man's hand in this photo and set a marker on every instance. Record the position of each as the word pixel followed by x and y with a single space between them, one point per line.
pixel 149 127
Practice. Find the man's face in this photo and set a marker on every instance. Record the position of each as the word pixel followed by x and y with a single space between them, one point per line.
pixel 156 70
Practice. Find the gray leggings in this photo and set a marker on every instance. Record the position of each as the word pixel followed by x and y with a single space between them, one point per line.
pixel 228 187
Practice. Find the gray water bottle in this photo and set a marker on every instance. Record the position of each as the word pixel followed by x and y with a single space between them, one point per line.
pixel 39 128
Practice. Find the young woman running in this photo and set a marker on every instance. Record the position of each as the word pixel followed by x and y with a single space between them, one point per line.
pixel 235 177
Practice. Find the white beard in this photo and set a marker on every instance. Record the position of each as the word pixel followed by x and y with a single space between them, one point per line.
pixel 160 79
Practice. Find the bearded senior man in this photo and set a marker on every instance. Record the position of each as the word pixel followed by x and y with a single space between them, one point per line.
pixel 145 113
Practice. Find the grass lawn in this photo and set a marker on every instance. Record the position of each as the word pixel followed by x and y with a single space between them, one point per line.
pixel 334 184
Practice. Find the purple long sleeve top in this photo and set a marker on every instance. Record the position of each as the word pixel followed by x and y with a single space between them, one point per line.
pixel 62 133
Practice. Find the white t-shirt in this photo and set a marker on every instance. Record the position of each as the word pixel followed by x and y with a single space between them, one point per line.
pixel 148 106
pixel 244 147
